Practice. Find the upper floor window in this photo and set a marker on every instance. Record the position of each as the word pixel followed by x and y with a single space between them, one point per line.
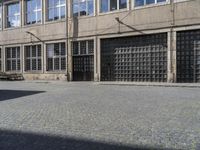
pixel 111 5
pixel 83 7
pixel 56 9
pixel 33 11
pixel 147 2
pixel 13 15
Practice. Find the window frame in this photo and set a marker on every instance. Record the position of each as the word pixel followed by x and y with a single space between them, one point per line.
pixel 86 47
pixel 55 7
pixel 26 12
pixel 87 8
pixel 156 3
pixel 16 59
pixel 6 5
pixel 116 10
pixel 31 58
pixel 60 70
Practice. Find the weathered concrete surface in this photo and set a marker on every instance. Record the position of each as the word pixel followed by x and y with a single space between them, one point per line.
pixel 60 115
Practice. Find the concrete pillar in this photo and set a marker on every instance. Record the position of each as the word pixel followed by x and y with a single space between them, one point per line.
pixel 69 58
pixel 95 60
pixel 22 6
pixel 4 59
pixel 171 57
pixel 44 68
pixel 98 59
pixel 22 58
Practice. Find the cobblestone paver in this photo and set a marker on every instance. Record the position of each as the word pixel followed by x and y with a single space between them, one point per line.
pixel 150 117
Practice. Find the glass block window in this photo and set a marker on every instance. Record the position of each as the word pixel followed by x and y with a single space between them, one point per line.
pixel 13 59
pixel 33 11
pixel 13 15
pixel 56 57
pixel 83 47
pixel 111 5
pixel 56 9
pixel 147 2
pixel 33 58
pixel 83 7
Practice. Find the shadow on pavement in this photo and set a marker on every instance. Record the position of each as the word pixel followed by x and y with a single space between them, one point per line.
pixel 14 140
pixel 11 94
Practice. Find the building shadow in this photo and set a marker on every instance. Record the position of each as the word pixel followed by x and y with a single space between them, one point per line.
pixel 15 140
pixel 11 94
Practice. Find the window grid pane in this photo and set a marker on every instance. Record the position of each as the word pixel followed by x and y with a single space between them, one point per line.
pixel 33 58
pixel 56 9
pixel 56 57
pixel 13 15
pixel 13 59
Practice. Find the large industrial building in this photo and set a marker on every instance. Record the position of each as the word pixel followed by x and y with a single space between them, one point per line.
pixel 101 40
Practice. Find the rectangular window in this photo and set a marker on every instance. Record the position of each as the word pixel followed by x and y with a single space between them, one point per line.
pixel 83 47
pixel 33 58
pixel 147 2
pixel 0 16
pixel 13 59
pixel 111 5
pixel 83 7
pixel 56 57
pixel 13 15
pixel 56 9
pixel 33 11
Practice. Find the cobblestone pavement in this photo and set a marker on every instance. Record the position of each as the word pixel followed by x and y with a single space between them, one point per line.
pixel 60 115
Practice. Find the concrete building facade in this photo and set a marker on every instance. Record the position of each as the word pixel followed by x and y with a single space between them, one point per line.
pixel 101 40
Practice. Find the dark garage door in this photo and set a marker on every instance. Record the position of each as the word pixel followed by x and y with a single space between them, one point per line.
pixel 139 58
pixel 188 56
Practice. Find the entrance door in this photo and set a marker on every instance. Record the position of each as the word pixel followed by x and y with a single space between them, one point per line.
pixel 83 61
pixel 188 56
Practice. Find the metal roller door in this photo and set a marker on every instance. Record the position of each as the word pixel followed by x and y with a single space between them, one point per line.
pixel 140 58
pixel 188 56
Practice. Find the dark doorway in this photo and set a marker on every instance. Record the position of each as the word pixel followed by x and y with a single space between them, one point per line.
pixel 188 56
pixel 83 60
pixel 83 68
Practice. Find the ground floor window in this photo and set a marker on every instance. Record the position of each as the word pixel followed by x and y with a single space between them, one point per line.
pixel 33 58
pixel 56 57
pixel 13 59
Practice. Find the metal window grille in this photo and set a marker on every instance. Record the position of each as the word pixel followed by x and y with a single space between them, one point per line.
pixel 56 57
pixel 140 58
pixel 33 59
pixel 13 59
